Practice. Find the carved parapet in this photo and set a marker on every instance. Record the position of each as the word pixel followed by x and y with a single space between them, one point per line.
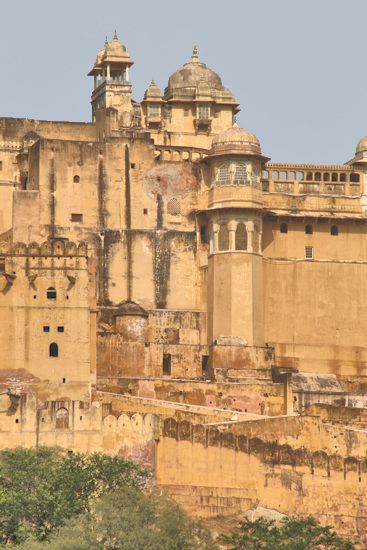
pixel 56 247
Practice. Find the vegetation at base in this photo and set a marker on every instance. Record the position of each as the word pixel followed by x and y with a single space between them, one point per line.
pixel 130 520
pixel 41 489
pixel 288 534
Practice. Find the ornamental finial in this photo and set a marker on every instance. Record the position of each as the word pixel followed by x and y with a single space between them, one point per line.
pixel 194 52
pixel 115 37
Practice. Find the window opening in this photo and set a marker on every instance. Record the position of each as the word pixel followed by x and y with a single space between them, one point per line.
pixel 283 175
pixel 317 176
pixel 54 350
pixel 223 173
pixel 308 229
pixel 343 177
pixel 309 252
pixel 145 211
pixel 255 239
pixel 76 179
pixel 204 363
pixel 266 174
pixel 292 175
pixel 326 176
pixel 241 237
pixel 2 265
pixel 77 217
pixel 309 176
pixel 60 329
pixel 334 176
pixel 154 111
pixel 284 228
pixel 203 112
pixel 300 176
pixel 167 364
pixel 354 178
pixel 334 230
pixel 1 164
pixel 62 418
pixel 241 173
pixel 204 234
pixel 186 112
pixel 223 238
pixel 275 175
pixel 51 293
pixel 132 166
pixel 46 329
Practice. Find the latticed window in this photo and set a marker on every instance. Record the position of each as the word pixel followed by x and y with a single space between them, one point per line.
pixel 154 111
pixel 255 239
pixel 173 207
pixel 255 173
pixel 203 112
pixel 223 238
pixel 241 237
pixel 240 173
pixel 223 173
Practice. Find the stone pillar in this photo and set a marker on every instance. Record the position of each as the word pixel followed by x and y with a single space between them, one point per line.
pixel 108 71
pixel 232 235
pixel 127 73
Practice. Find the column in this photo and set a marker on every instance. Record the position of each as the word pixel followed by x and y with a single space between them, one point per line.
pixel 127 73
pixel 108 71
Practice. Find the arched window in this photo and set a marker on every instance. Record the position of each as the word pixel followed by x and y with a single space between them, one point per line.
pixel 54 350
pixel 309 176
pixel 223 238
pixel 317 176
pixel 76 179
pixel 284 175
pixel 241 237
pixel 275 175
pixel 223 173
pixel 308 229
pixel 51 293
pixel 354 178
pixel 343 177
pixel 255 239
pixel 326 176
pixel 62 418
pixel 334 176
pixel 334 230
pixel 240 173
pixel 284 228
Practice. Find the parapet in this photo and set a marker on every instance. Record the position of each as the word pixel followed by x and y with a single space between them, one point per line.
pixel 54 247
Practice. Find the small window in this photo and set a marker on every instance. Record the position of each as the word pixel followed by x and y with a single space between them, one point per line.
pixel 60 329
pixel 292 175
pixel 334 176
pixel 203 112
pixel 240 173
pixel 132 166
pixel 186 112
pixel 317 176
pixel 62 418
pixel 76 179
pixel 354 178
pixel 2 265
pixel 166 364
pixel 51 293
pixel 154 111
pixel 204 234
pixel 46 329
pixel 266 174
pixel 308 229
pixel 223 238
pixel 223 173
pixel 54 350
pixel 275 175
pixel 216 114
pixel 1 164
pixel 145 211
pixel 309 252
pixel 300 176
pixel 241 237
pixel 77 217
pixel 284 228
pixel 204 363
pixel 309 176
pixel 343 177
pixel 334 230
pixel 326 176
pixel 283 175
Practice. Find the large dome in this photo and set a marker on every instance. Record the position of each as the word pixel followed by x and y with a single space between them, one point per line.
pixel 192 73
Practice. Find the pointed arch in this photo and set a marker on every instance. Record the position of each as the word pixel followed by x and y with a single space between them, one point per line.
pixel 241 237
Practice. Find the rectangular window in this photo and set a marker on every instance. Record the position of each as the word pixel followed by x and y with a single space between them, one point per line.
pixel 203 112
pixel 77 217
pixel 204 363
pixel 60 329
pixel 203 234
pixel 2 265
pixel 186 112
pixel 1 164
pixel 309 252
pixel 46 329
pixel 166 364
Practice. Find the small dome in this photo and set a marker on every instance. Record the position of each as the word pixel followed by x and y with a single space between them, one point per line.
pixel 236 139
pixel 130 308
pixel 362 145
pixel 115 48
pixel 153 92
pixel 192 73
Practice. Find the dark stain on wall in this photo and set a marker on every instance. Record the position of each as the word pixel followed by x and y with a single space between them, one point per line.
pixel 52 196
pixel 128 224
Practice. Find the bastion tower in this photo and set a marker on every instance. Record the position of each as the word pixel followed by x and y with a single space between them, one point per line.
pixel 235 211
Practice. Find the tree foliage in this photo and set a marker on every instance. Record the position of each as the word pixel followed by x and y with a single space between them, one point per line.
pixel 40 489
pixel 289 534
pixel 128 519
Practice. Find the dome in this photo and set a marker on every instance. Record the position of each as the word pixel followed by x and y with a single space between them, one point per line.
pixel 362 145
pixel 153 92
pixel 115 48
pixel 236 139
pixel 130 308
pixel 193 72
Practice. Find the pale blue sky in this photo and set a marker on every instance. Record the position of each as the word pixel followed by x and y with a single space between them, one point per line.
pixel 297 68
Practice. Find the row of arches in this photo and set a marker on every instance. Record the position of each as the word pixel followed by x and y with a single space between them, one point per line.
pixel 245 239
pixel 286 175
pixel 309 229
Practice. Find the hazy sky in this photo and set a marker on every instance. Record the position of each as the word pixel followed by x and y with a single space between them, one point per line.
pixel 297 68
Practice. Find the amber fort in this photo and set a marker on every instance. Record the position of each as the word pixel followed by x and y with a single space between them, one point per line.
pixel 169 294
